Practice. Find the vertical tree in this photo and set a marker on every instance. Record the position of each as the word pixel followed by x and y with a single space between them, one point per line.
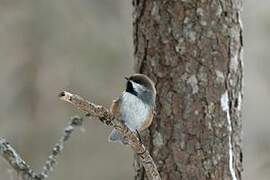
pixel 192 49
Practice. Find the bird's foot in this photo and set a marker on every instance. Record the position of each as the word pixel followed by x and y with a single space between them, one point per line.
pixel 139 136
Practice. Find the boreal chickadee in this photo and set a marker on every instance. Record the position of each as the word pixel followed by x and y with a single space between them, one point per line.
pixel 135 106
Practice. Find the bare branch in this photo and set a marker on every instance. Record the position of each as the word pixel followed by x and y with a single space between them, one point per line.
pixel 59 146
pixel 107 118
pixel 23 170
pixel 15 161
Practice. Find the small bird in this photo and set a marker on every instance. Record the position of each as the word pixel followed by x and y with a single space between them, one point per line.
pixel 135 106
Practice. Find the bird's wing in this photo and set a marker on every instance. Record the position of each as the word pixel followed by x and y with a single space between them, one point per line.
pixel 115 110
pixel 148 120
pixel 115 107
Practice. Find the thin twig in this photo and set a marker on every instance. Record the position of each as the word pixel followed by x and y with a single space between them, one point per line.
pixel 22 168
pixel 59 146
pixel 16 162
pixel 107 118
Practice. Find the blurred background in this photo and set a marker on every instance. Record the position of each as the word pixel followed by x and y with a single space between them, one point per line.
pixel 85 46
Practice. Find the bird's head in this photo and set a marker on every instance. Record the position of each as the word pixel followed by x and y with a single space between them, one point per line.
pixel 141 86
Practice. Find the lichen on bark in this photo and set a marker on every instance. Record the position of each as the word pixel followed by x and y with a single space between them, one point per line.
pixel 193 51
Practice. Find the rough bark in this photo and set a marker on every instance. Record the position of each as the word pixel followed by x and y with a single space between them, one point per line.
pixel 192 49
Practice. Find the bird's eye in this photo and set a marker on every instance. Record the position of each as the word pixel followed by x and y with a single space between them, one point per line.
pixel 136 81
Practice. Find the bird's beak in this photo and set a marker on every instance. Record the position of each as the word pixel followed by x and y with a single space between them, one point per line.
pixel 126 78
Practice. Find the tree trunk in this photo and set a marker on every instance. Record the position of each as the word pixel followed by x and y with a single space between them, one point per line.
pixel 192 49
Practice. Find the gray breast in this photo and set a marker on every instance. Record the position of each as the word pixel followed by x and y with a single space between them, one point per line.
pixel 133 111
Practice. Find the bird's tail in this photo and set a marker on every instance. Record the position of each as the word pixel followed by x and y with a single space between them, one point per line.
pixel 115 136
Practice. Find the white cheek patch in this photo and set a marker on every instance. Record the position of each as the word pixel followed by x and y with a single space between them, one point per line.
pixel 137 87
